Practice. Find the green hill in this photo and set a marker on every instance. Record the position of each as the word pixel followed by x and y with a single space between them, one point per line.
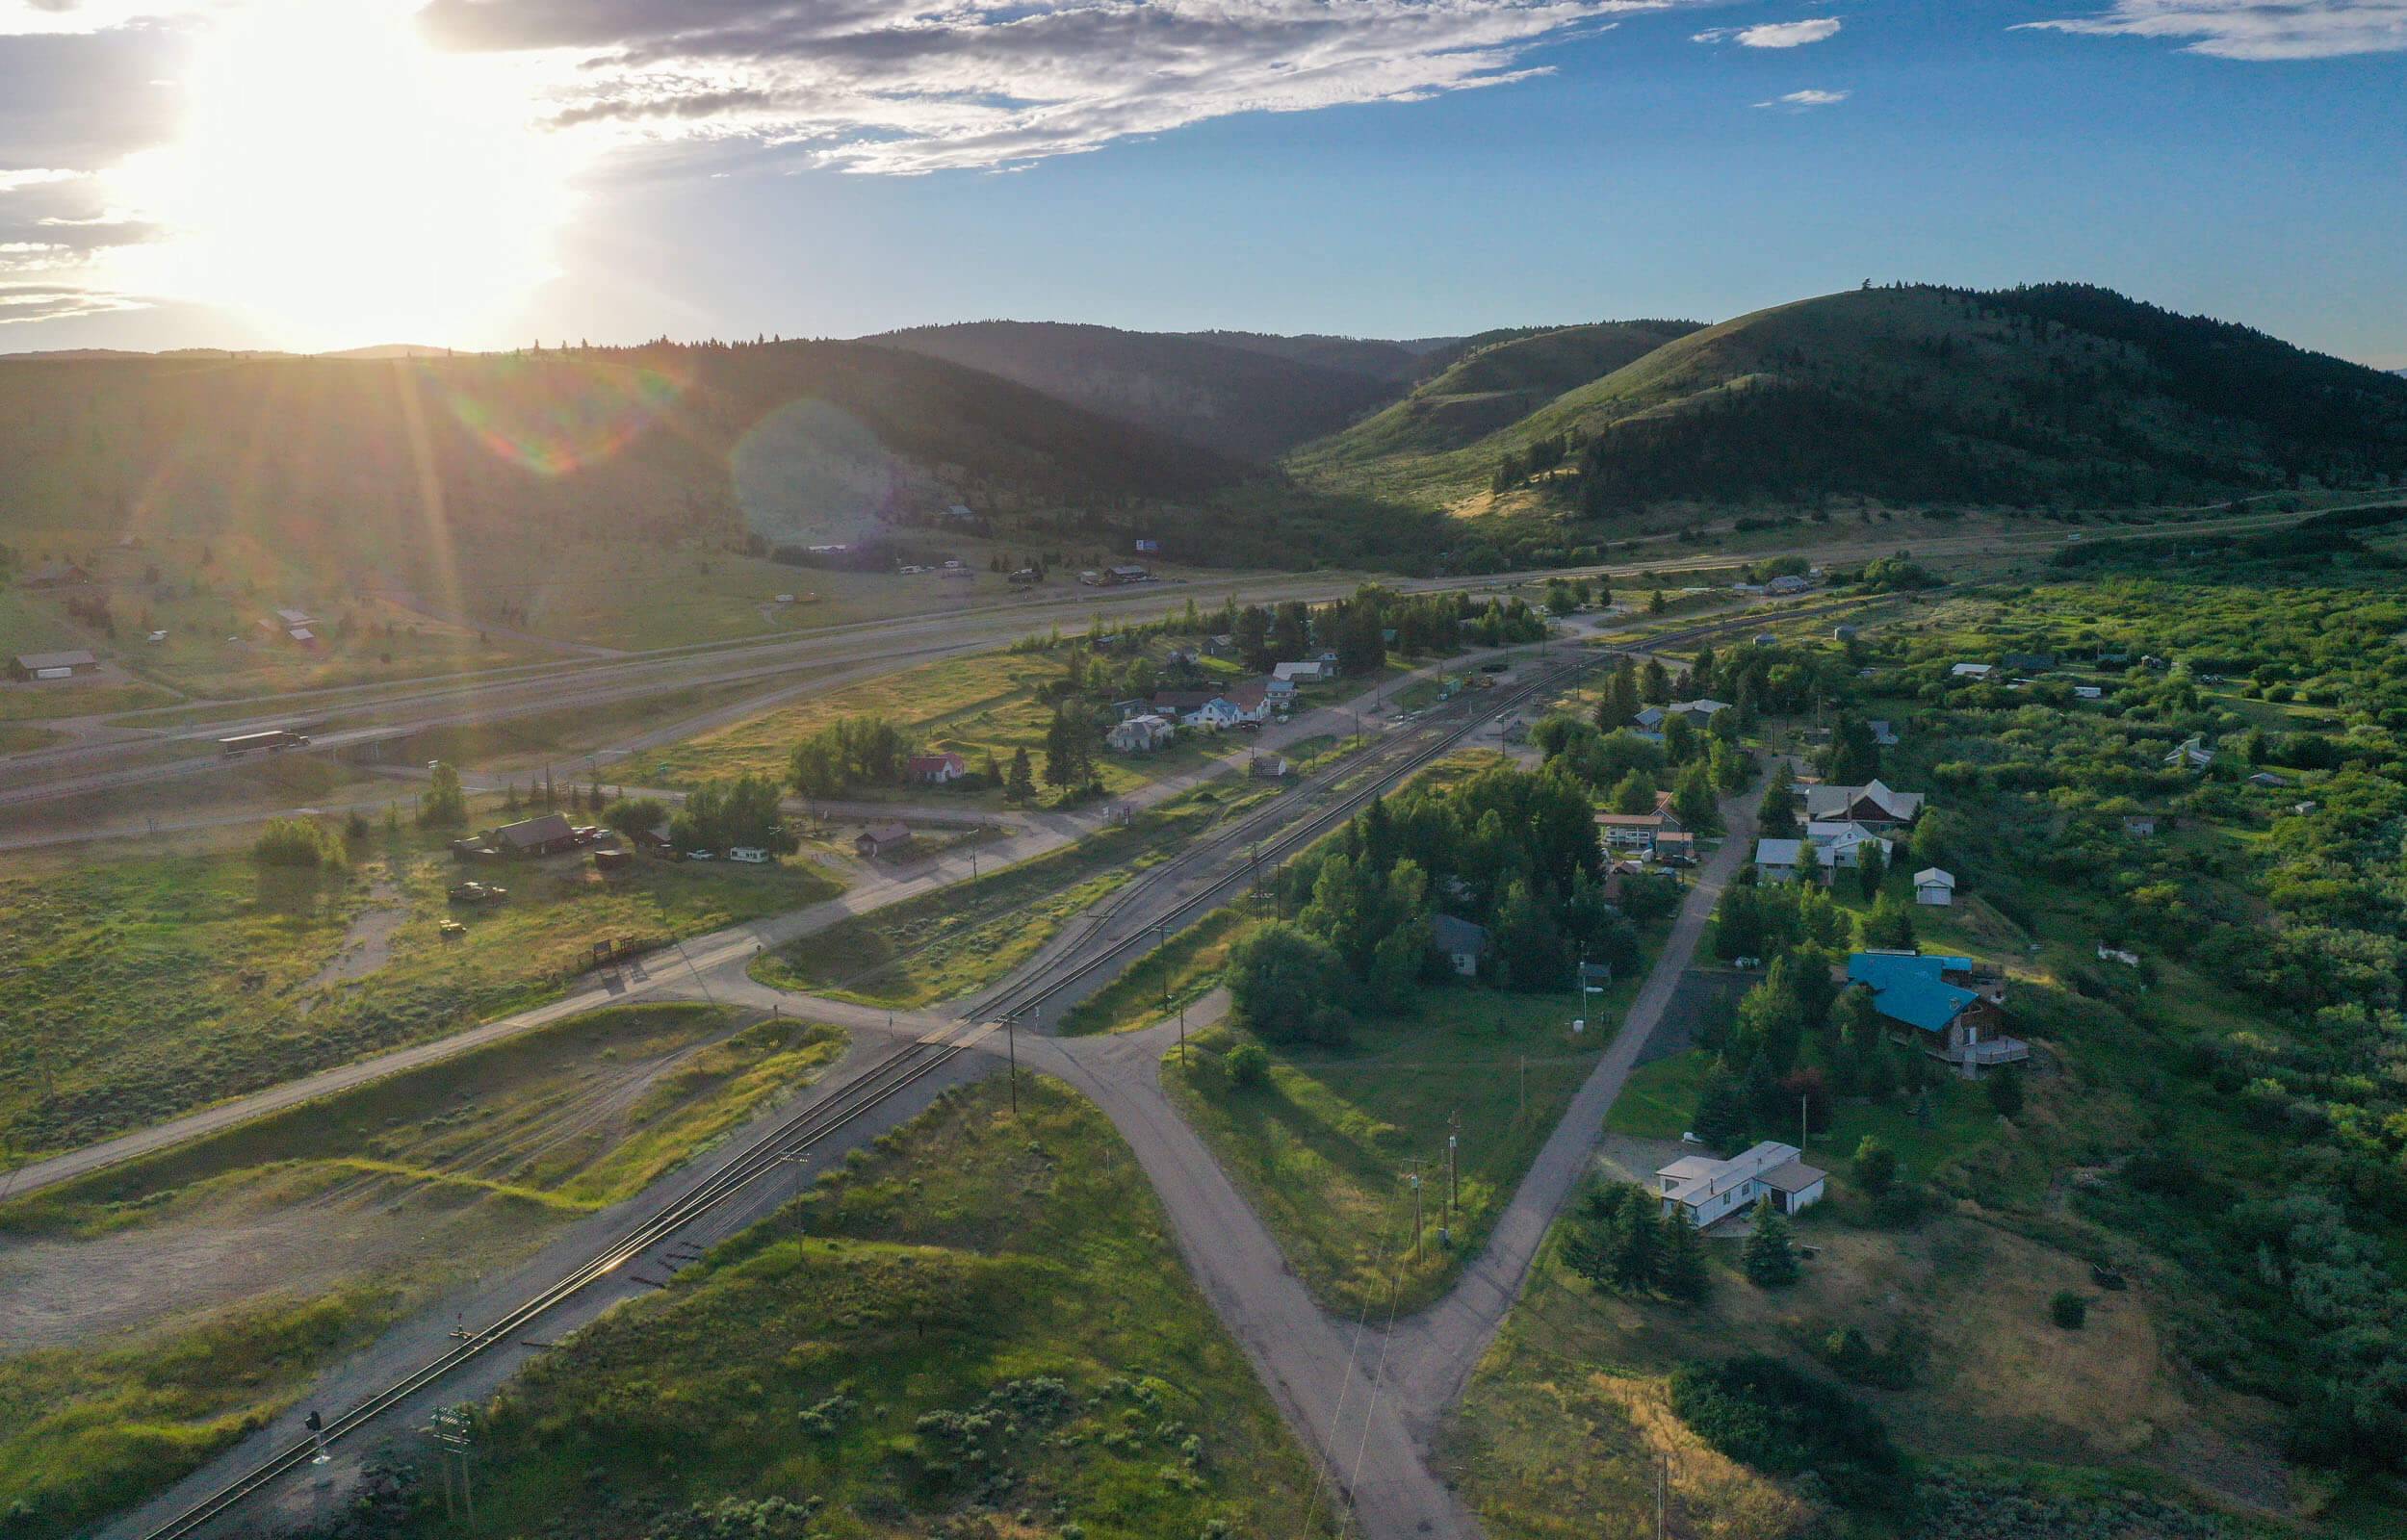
pixel 1924 394
pixel 409 467
pixel 1489 387
pixel 1241 400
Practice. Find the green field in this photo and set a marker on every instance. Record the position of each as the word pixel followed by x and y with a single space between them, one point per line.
pixel 981 1331
pixel 411 1185
pixel 1325 1146
pixel 147 985
pixel 945 945
pixel 1180 972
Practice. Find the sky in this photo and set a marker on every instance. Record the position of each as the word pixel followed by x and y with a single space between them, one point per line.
pixel 318 174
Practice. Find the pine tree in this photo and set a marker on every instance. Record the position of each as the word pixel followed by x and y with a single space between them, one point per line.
pixel 1771 1256
pixel 1780 808
pixel 1683 1273
pixel 1021 787
pixel 1637 1248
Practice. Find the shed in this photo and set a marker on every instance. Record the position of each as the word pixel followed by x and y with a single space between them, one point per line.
pixel 541 836
pixel 1778 860
pixel 1934 887
pixel 52 665
pixel 881 839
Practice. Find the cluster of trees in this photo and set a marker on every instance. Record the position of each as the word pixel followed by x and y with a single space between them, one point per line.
pixel 1510 850
pixel 443 805
pixel 853 751
pixel 742 811
pixel 1616 1239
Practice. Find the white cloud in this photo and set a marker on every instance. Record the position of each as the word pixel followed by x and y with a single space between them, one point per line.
pixel 1775 33
pixel 897 86
pixel 2252 29
pixel 1800 101
pixel 10 181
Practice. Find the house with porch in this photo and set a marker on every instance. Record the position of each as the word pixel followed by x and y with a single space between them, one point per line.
pixel 1949 1008
pixel 1628 830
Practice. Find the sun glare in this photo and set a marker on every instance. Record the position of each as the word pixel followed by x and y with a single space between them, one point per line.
pixel 341 183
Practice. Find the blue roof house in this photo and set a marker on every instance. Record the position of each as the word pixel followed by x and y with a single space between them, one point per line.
pixel 1954 1011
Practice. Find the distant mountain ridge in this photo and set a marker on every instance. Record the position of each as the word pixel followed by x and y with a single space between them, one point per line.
pixel 1242 394
pixel 1914 394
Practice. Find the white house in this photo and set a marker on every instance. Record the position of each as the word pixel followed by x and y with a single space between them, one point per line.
pixel 1628 830
pixel 1139 735
pixel 1934 887
pixel 1704 1190
pixel 1778 860
pixel 2089 692
pixel 1972 670
pixel 749 855
pixel 1280 692
pixel 1841 844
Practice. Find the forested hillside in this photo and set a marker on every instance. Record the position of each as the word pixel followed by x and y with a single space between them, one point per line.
pixel 1242 400
pixel 403 466
pixel 2059 393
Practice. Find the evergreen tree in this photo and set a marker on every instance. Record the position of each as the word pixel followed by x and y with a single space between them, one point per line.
pixel 1021 785
pixel 1855 758
pixel 1635 793
pixel 1875 1166
pixel 1637 1248
pixel 1771 1256
pixel 1722 1118
pixel 1890 926
pixel 2005 1091
pixel 444 805
pixel 1683 1273
pixel 1779 817
pixel 1694 799
pixel 1654 684
pixel 1872 869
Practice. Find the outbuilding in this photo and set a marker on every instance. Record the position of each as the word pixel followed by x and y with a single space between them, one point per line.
pixel 879 840
pixel 27 666
pixel 1934 888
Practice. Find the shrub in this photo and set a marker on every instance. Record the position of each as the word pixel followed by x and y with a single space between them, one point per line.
pixel 1762 1413
pixel 2069 1310
pixel 1249 1064
pixel 1771 1259
pixel 299 842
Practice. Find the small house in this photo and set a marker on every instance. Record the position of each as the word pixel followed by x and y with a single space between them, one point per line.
pixel 1972 670
pixel 2268 778
pixel 1779 860
pixel 1266 767
pixel 2194 755
pixel 1700 710
pixel 936 769
pixel 1628 830
pixel 880 840
pixel 1884 732
pixel 1842 844
pixel 1704 1190
pixel 2089 692
pixel 1649 720
pixel 1676 846
pixel 1934 888
pixel 1875 806
pixel 1281 692
pixel 1309 671
pixel 749 855
pixel 2140 825
pixel 1459 941
pixel 28 666
pixel 1788 582
pixel 1142 734
pixel 546 834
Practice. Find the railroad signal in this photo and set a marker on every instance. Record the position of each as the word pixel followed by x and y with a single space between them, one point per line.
pixel 317 1435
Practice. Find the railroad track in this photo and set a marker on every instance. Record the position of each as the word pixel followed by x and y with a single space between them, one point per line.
pixel 873 1087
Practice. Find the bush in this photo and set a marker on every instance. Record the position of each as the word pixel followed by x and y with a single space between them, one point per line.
pixel 2069 1310
pixel 1770 1258
pixel 299 842
pixel 1248 1065
pixel 1762 1413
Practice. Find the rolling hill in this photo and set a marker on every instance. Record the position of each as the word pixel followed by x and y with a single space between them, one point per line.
pixel 408 466
pixel 1490 387
pixel 1243 400
pixel 1918 394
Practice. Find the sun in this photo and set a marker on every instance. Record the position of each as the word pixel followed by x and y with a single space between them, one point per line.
pixel 339 182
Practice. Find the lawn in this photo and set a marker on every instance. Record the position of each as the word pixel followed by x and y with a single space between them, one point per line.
pixel 981 1330
pixel 945 945
pixel 1325 1146
pixel 147 985
pixel 407 1185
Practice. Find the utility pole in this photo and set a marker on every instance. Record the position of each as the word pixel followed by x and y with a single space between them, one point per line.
pixel 1182 1037
pixel 1415 1180
pixel 454 1438
pixel 1663 1484
pixel 1805 1121
pixel 1451 1180
pixel 1525 1082
pixel 1011 1044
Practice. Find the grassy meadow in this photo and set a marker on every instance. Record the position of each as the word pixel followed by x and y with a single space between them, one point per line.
pixel 977 1327
pixel 149 984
